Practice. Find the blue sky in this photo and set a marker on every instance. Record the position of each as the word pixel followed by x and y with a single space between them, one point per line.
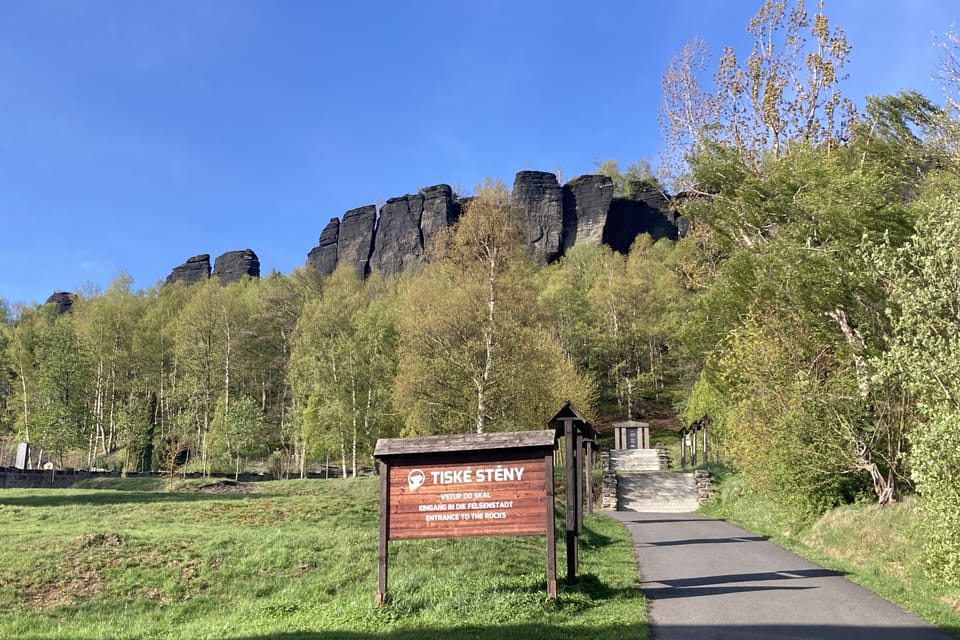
pixel 136 134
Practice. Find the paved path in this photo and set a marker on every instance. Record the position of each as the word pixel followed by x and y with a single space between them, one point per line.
pixel 710 580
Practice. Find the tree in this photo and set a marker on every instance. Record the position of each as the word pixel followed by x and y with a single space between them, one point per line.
pixel 341 368
pixel 631 183
pixel 687 111
pixel 210 333
pixel 106 325
pixel 923 356
pixel 792 313
pixel 238 432
pixel 473 351
pixel 64 378
pixel 637 305
pixel 786 90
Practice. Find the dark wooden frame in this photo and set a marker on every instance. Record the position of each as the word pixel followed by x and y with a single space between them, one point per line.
pixel 580 438
pixel 460 450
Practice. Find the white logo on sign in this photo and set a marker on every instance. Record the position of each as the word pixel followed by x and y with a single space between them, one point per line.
pixel 415 479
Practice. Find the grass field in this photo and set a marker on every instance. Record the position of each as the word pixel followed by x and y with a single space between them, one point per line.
pixel 295 560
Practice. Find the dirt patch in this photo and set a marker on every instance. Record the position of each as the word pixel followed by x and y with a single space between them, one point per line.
pixel 227 486
pixel 952 602
pixel 110 540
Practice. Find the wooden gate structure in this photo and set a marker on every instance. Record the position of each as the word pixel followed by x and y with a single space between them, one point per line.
pixel 492 484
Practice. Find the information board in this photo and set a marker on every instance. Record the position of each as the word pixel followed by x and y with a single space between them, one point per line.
pixel 478 496
pixel 498 484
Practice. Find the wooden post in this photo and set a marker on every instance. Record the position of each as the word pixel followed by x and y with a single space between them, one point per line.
pixel 580 483
pixel 683 447
pixel 693 446
pixel 571 499
pixel 589 479
pixel 551 526
pixel 384 528
pixel 705 457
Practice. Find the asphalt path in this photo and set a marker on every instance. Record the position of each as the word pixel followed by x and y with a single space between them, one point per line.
pixel 709 580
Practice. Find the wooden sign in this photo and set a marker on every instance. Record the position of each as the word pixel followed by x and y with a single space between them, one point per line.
pixel 498 484
pixel 481 495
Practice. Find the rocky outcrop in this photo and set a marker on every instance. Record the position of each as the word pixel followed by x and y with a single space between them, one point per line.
pixel 195 269
pixel 356 238
pixel 323 258
pixel 440 210
pixel 64 301
pixel 586 204
pixel 539 200
pixel 398 242
pixel 648 211
pixel 553 218
pixel 233 265
pixel 229 267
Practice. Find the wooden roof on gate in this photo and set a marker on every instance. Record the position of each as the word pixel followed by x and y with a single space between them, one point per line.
pixel 580 423
pixel 540 439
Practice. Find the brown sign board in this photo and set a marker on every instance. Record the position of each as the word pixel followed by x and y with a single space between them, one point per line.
pixel 477 495
pixel 498 484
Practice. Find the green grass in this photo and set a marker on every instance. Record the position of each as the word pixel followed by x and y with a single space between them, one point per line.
pixel 295 560
pixel 879 548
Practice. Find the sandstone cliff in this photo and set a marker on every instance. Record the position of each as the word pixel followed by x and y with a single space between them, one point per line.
pixel 229 267
pixel 554 218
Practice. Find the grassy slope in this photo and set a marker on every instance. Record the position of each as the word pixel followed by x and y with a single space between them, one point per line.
pixel 296 560
pixel 879 548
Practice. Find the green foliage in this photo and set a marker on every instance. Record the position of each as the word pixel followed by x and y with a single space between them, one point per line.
pixel 475 353
pixel 238 429
pixel 789 313
pixel 64 374
pixel 924 354
pixel 342 363
pixel 636 180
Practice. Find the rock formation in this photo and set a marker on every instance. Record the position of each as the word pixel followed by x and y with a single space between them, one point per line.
pixel 356 238
pixel 323 257
pixel 553 218
pixel 229 267
pixel 586 204
pixel 398 242
pixel 233 265
pixel 64 301
pixel 440 210
pixel 195 269
pixel 648 212
pixel 539 198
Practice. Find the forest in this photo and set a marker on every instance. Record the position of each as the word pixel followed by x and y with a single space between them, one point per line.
pixel 812 312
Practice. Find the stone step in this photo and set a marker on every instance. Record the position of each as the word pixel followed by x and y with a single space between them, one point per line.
pixel 658 492
pixel 634 460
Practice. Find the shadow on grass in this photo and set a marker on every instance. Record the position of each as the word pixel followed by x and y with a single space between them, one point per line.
pixel 94 497
pixel 732 631
pixel 630 632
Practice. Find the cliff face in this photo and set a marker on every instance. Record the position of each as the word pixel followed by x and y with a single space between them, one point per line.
pixel 586 206
pixel 229 267
pixel 398 242
pixel 553 218
pixel 233 265
pixel 538 196
pixel 63 301
pixel 195 269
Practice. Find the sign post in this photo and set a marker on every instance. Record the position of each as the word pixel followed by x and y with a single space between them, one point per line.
pixel 576 432
pixel 498 484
